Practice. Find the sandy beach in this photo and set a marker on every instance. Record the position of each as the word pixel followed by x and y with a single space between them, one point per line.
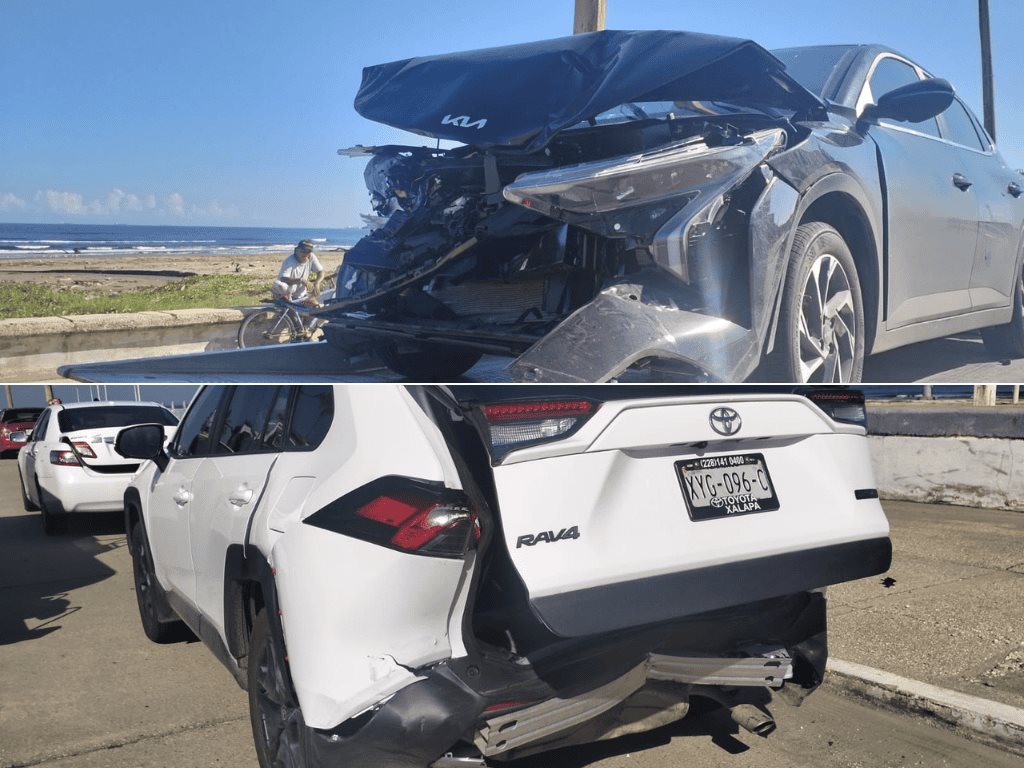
pixel 110 275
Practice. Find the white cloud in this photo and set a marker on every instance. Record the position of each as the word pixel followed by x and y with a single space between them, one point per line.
pixel 118 203
pixel 10 201
pixel 175 203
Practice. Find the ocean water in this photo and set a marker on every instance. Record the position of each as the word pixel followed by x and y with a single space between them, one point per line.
pixel 18 241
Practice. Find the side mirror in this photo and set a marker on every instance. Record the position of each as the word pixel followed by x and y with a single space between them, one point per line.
pixel 144 441
pixel 21 436
pixel 911 103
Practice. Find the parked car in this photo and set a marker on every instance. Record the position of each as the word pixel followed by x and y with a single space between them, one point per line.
pixel 453 576
pixel 69 464
pixel 16 420
pixel 684 202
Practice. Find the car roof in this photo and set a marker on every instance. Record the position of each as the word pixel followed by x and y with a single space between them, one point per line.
pixel 105 403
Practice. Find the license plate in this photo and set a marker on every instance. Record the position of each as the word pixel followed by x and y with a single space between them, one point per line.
pixel 726 486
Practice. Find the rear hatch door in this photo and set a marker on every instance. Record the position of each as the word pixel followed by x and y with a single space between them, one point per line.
pixel 645 512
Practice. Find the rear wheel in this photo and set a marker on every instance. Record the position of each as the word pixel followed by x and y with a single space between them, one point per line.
pixel 427 363
pixel 821 327
pixel 1008 340
pixel 54 523
pixel 277 726
pixel 148 592
pixel 30 506
pixel 267 326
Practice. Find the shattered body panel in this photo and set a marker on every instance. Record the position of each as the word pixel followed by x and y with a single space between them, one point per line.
pixel 631 199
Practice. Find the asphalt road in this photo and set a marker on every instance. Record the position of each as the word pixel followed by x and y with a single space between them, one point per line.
pixel 80 686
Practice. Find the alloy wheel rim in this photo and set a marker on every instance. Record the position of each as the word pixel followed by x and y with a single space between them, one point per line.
pixel 278 715
pixel 826 337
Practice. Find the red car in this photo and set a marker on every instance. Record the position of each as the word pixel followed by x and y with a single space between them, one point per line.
pixel 14 420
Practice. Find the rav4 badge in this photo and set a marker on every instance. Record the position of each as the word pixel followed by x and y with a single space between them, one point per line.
pixel 548 537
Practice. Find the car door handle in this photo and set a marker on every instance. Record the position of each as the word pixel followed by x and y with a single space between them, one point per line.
pixel 1015 189
pixel 960 182
pixel 240 496
pixel 182 497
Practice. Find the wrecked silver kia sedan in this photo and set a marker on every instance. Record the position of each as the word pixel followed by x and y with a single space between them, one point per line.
pixel 680 202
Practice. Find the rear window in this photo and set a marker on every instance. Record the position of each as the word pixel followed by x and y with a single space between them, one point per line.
pixel 12 415
pixel 77 419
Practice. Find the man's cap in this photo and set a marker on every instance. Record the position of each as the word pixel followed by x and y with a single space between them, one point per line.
pixel 304 245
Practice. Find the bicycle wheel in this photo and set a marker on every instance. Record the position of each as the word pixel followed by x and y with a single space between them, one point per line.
pixel 267 326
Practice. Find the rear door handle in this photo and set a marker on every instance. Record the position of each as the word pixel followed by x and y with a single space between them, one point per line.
pixel 182 497
pixel 1015 189
pixel 960 182
pixel 241 496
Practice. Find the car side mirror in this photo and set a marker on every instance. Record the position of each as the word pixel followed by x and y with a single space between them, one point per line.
pixel 911 103
pixel 21 436
pixel 144 441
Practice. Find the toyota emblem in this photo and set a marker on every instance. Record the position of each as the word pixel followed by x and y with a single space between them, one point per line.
pixel 725 421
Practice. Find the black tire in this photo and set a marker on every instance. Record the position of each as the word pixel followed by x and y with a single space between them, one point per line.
pixel 54 523
pixel 427 363
pixel 266 327
pixel 26 502
pixel 148 593
pixel 821 279
pixel 278 730
pixel 1008 340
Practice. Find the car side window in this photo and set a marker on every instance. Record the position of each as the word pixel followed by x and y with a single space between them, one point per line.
pixel 40 428
pixel 889 75
pixel 245 417
pixel 958 127
pixel 195 433
pixel 312 413
pixel 277 422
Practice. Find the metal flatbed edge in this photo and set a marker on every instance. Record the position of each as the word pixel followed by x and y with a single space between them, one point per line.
pixel 306 362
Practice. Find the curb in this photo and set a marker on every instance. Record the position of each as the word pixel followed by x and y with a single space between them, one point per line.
pixel 999 725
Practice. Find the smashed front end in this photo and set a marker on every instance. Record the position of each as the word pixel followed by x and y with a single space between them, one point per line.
pixel 584 228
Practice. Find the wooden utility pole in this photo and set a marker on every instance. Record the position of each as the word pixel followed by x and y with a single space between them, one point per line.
pixel 987 87
pixel 48 393
pixel 589 16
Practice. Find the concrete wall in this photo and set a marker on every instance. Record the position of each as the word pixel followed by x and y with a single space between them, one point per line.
pixel 967 471
pixel 32 348
pixel 949 453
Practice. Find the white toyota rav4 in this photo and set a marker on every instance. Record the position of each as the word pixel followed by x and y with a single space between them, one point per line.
pixel 445 576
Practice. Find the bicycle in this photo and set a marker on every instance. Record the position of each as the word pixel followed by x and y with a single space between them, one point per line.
pixel 282 322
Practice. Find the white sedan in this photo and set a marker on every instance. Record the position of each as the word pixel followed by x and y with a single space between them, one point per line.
pixel 70 465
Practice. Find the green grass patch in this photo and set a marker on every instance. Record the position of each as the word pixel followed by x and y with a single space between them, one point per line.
pixel 35 300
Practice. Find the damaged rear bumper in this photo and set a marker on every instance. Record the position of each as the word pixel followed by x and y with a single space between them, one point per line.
pixel 491 706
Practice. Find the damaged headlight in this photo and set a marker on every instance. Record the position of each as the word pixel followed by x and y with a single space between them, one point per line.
pixel 652 196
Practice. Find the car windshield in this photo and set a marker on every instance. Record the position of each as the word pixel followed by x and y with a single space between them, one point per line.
pixel 28 414
pixel 98 417
pixel 812 66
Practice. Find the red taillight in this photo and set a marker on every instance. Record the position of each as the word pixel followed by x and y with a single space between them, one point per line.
pixel 517 425
pixel 845 405
pixel 541 410
pixel 84 450
pixel 4 432
pixel 405 514
pixel 66 458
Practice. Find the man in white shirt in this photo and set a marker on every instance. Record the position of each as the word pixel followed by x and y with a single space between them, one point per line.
pixel 297 270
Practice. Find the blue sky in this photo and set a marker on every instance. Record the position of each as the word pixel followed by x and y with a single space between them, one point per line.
pixel 230 113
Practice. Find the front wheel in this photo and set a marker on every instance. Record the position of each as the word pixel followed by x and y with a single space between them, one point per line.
pixel 267 326
pixel 427 363
pixel 820 336
pixel 1008 340
pixel 148 592
pixel 278 729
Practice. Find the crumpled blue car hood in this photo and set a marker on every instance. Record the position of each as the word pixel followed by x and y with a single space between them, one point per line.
pixel 522 95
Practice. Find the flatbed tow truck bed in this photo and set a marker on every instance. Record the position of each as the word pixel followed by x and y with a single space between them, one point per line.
pixel 309 362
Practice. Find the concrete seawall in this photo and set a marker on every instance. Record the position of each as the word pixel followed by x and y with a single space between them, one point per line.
pixel 949 454
pixel 32 348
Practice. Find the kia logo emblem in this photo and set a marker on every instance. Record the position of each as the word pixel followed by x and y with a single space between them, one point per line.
pixel 725 421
